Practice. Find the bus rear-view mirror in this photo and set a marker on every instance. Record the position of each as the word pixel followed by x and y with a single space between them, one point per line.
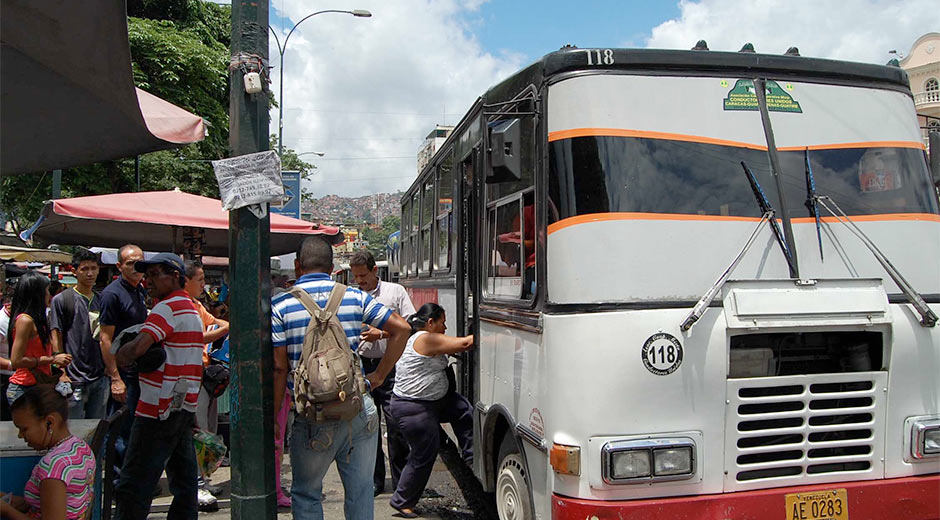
pixel 504 151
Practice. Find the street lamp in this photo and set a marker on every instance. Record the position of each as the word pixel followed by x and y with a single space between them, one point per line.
pixel 360 13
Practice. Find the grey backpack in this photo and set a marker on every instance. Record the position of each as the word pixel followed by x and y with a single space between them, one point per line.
pixel 328 382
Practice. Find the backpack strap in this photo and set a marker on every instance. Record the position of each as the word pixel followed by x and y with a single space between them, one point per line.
pixel 68 313
pixel 332 304
pixel 318 314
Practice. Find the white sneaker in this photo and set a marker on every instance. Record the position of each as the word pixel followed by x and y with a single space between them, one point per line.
pixel 207 502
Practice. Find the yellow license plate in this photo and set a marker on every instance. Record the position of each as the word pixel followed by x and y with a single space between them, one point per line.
pixel 830 504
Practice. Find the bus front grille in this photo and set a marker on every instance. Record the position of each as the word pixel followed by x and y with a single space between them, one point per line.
pixel 806 429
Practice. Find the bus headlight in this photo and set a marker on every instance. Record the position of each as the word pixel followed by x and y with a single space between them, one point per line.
pixel 672 461
pixel 925 438
pixel 629 464
pixel 643 460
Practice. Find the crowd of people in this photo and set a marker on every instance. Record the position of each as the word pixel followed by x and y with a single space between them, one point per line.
pixel 84 354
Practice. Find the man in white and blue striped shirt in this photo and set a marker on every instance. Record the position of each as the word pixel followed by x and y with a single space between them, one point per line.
pixel 314 446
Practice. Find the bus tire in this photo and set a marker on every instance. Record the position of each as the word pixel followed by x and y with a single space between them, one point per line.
pixel 512 484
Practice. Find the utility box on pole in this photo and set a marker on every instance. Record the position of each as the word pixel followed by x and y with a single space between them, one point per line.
pixel 252 407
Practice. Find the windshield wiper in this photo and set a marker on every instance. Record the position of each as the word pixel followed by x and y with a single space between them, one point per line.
pixel 811 199
pixel 766 207
pixel 768 216
pixel 706 299
pixel 928 318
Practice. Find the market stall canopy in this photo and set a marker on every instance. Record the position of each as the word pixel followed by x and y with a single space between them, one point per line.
pixel 68 94
pixel 160 221
pixel 28 254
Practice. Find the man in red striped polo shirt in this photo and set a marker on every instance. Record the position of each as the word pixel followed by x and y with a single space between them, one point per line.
pixel 168 353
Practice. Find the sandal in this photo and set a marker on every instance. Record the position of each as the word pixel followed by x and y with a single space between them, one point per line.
pixel 406 512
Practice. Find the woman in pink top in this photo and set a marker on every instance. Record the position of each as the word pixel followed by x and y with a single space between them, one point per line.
pixel 29 336
pixel 60 487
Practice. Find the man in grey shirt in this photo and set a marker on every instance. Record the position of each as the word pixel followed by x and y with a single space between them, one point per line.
pixel 74 320
pixel 371 349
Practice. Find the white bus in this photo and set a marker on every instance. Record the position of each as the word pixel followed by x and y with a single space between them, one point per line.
pixel 702 285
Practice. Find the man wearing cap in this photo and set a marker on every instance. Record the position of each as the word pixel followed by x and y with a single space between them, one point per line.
pixel 168 354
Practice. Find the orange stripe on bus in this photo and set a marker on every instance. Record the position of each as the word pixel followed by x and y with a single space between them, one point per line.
pixel 623 132
pixel 887 217
pixel 605 217
pixel 867 144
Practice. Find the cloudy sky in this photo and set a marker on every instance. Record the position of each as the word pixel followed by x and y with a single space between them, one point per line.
pixel 366 91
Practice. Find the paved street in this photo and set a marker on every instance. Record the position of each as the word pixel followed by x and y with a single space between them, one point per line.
pixel 453 494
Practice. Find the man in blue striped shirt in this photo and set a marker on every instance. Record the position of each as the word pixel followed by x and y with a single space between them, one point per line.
pixel 314 446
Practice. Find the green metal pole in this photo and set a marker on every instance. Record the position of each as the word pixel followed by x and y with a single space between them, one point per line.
pixel 252 406
pixel 56 184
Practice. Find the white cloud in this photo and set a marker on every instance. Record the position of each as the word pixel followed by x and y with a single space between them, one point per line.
pixel 372 88
pixel 854 30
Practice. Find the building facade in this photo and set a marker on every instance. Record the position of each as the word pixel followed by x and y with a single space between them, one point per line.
pixel 922 65
pixel 431 143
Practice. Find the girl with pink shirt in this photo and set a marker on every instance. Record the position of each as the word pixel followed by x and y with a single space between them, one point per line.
pixel 62 482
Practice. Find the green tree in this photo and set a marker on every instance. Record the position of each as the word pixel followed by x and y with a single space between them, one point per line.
pixel 179 52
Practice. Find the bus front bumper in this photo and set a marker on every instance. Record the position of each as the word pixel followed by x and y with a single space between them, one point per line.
pixel 910 498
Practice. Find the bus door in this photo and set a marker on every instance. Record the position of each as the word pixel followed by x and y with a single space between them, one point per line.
pixel 467 278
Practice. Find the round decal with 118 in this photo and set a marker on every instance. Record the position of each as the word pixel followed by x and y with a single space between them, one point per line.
pixel 662 354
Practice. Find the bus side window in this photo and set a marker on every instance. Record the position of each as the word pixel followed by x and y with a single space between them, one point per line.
pixel 506 250
pixel 413 235
pixel 404 240
pixel 428 204
pixel 444 214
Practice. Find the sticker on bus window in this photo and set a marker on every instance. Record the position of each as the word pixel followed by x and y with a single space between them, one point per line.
pixel 878 180
pixel 878 171
pixel 743 97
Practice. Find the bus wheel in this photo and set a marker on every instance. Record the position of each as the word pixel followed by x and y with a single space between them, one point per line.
pixel 512 485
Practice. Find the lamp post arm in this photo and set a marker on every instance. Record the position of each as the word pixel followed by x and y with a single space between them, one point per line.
pixel 309 16
pixel 281 48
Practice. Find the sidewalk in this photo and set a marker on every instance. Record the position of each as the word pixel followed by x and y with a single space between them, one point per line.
pixel 448 497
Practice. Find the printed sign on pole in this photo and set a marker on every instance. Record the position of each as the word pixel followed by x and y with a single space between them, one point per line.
pixel 290 204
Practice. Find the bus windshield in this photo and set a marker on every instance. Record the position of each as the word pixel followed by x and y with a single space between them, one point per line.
pixel 600 174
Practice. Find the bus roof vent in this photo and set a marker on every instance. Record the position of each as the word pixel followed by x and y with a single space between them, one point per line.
pixel 893 62
pixel 748 47
pixel 792 51
pixel 700 46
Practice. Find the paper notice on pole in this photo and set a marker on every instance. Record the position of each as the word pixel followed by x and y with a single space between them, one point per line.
pixel 249 179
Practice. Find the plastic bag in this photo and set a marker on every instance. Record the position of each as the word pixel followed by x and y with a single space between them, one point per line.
pixel 209 451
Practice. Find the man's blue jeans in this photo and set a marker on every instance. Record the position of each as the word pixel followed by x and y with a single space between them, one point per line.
pixel 154 446
pixel 90 400
pixel 314 447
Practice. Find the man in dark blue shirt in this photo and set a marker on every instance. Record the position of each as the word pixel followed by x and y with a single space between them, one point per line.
pixel 123 304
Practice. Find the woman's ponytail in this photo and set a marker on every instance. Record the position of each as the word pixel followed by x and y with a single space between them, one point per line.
pixel 428 311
